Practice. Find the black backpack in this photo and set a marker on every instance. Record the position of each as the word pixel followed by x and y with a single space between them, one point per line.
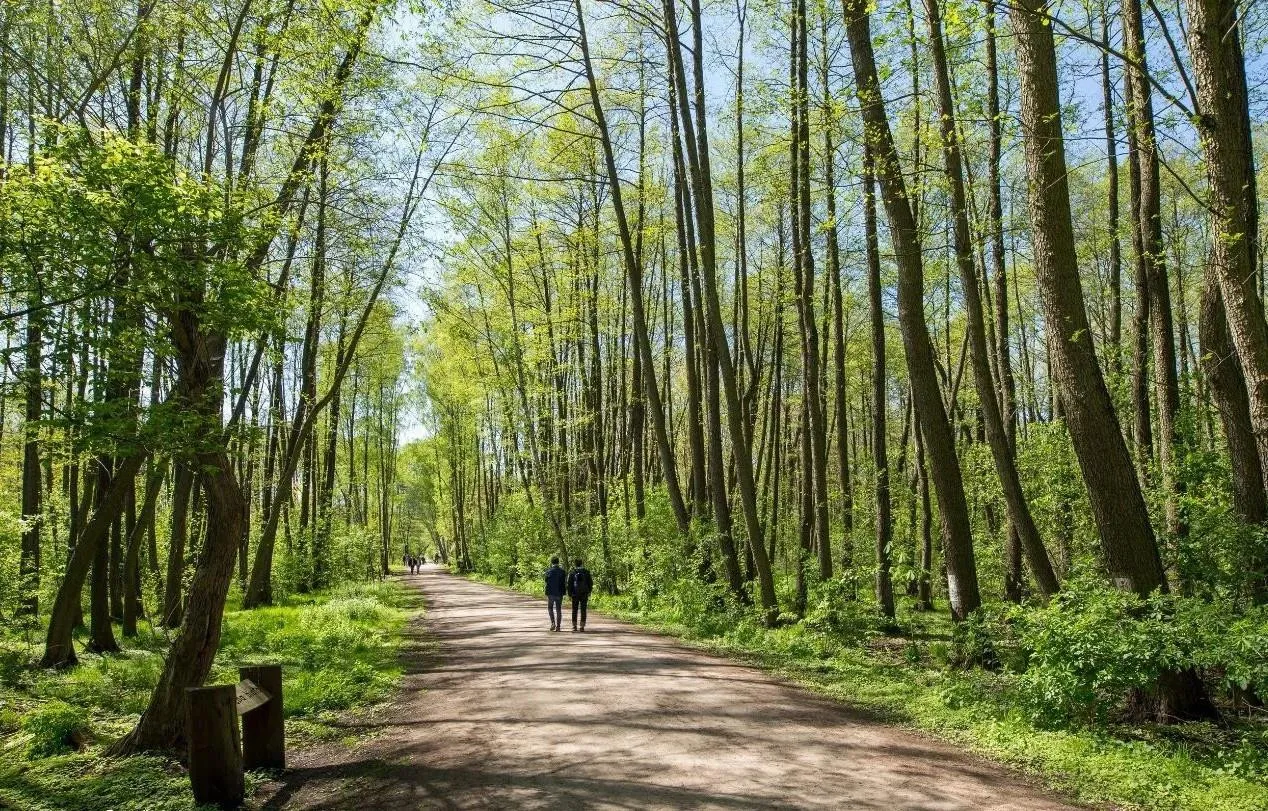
pixel 581 582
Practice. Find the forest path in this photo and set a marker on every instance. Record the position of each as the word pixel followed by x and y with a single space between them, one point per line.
pixel 498 712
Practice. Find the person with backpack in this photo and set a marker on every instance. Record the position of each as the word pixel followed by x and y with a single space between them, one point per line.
pixel 556 579
pixel 580 584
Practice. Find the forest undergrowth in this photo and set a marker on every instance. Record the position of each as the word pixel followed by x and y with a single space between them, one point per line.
pixel 338 648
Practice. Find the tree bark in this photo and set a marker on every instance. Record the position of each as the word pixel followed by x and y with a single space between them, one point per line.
pixel 1020 519
pixel 880 435
pixel 931 413
pixel 1118 508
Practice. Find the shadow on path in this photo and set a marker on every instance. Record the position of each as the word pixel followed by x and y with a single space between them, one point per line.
pixel 498 712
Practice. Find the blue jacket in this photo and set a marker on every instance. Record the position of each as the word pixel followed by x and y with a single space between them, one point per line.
pixel 555 579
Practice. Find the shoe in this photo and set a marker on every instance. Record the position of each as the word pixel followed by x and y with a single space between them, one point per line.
pixel 574 629
pixel 583 629
pixel 553 628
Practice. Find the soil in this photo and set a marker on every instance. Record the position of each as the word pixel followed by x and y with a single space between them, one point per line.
pixel 496 711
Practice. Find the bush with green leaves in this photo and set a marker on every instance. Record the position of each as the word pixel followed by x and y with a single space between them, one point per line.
pixel 1087 651
pixel 55 728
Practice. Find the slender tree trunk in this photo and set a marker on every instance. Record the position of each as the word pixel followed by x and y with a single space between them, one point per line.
pixel 930 410
pixel 1020 519
pixel 1115 337
pixel 32 508
pixel 697 143
pixel 173 603
pixel 804 270
pixel 634 278
pixel 880 435
pixel 1148 221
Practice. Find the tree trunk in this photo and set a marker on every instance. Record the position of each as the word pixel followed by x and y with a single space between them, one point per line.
pixel 1020 519
pixel 930 411
pixel 59 650
pixel 880 435
pixel 173 601
pixel 1223 123
pixel 1118 507
pixel 32 509
pixel 1152 259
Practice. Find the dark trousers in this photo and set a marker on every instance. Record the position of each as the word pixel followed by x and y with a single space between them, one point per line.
pixel 555 607
pixel 579 601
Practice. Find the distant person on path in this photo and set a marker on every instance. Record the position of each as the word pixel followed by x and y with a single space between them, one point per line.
pixel 580 584
pixel 556 579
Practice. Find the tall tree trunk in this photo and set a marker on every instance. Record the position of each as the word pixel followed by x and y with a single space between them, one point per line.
pixel 1003 360
pixel 173 601
pixel 1115 336
pixel 880 435
pixel 1118 507
pixel 930 410
pixel 32 510
pixel 1148 221
pixel 634 278
pixel 1020 519
pixel 696 140
pixel 1223 122
pixel 804 270
pixel 840 387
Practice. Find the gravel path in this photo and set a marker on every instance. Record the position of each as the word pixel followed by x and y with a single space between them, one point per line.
pixel 498 712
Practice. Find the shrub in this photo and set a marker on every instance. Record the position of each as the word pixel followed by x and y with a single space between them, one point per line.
pixel 55 728
pixel 1093 645
pixel 832 607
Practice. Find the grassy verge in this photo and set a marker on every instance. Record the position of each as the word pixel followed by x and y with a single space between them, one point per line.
pixel 339 651
pixel 907 680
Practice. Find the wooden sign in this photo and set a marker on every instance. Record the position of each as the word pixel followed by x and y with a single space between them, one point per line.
pixel 250 696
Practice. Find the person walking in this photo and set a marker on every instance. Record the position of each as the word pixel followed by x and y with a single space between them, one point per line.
pixel 580 584
pixel 556 580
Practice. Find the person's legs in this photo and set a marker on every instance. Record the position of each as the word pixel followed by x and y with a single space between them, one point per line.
pixel 576 601
pixel 585 602
pixel 555 607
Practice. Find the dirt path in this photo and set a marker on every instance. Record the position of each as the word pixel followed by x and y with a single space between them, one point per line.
pixel 505 714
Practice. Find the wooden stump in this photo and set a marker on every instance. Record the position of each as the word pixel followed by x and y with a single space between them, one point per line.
pixel 215 754
pixel 263 733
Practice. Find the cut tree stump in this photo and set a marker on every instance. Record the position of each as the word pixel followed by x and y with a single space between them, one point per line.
pixel 263 731
pixel 215 754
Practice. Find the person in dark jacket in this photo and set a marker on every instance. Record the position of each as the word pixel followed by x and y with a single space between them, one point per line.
pixel 580 584
pixel 556 580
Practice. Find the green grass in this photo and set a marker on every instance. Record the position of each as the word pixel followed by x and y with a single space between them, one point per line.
pixel 907 680
pixel 339 651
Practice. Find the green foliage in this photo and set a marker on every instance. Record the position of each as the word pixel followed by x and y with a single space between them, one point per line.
pixel 338 649
pixel 1092 646
pixel 92 783
pixel 831 608
pixel 55 728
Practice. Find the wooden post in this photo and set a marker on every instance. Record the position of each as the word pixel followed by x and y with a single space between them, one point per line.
pixel 263 735
pixel 215 756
